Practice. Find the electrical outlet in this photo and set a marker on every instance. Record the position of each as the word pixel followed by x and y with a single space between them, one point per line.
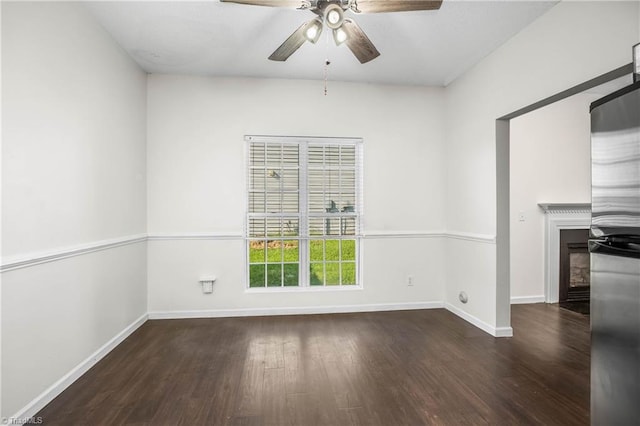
pixel 409 280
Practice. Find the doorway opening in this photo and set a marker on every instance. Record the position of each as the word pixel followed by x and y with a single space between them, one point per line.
pixel 505 216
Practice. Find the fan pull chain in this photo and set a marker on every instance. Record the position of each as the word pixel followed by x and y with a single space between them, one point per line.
pixel 326 74
pixel 327 62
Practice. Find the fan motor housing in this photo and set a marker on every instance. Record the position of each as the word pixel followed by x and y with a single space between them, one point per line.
pixel 322 4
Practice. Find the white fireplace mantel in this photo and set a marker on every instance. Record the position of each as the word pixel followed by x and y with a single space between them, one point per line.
pixel 559 216
pixel 565 208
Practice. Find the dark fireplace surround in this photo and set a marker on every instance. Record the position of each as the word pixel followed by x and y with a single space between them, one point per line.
pixel 574 282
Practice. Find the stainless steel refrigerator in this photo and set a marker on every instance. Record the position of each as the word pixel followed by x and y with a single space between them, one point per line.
pixel 615 258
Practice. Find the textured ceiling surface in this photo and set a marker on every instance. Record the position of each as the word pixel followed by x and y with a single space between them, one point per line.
pixel 226 39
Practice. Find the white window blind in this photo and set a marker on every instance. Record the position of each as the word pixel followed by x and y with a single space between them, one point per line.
pixel 304 207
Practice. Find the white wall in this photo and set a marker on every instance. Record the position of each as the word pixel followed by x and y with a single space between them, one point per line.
pixel 196 169
pixel 570 44
pixel 550 163
pixel 73 174
pixel 0 214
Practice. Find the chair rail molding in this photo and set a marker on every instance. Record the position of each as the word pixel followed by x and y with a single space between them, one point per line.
pixel 32 259
pixel 559 216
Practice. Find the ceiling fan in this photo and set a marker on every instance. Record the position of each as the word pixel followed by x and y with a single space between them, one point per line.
pixel 331 14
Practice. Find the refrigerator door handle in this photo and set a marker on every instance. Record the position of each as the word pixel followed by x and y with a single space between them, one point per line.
pixel 615 248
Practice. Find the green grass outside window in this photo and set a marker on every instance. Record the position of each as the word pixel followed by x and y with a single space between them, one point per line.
pixel 328 259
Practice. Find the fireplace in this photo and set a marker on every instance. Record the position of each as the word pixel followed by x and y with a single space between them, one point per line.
pixel 560 217
pixel 575 267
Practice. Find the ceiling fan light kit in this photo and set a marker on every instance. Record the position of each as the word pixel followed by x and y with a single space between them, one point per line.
pixel 339 36
pixel 333 16
pixel 314 30
pixel 331 13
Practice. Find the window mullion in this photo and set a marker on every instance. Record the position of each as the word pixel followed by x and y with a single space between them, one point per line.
pixel 304 220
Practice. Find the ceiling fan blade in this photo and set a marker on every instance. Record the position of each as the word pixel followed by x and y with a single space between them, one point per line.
pixel 380 6
pixel 291 44
pixel 358 42
pixel 292 4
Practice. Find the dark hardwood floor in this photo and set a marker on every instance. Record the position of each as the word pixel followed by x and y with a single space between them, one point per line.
pixel 384 368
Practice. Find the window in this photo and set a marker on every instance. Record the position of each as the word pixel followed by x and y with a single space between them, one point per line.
pixel 303 211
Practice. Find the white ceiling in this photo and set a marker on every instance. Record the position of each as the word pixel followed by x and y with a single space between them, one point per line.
pixel 226 39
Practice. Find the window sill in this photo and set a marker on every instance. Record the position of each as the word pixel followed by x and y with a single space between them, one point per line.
pixel 266 290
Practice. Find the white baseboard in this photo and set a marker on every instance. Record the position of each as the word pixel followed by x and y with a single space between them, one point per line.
pixel 503 332
pixel 250 312
pixel 523 300
pixel 494 331
pixel 38 403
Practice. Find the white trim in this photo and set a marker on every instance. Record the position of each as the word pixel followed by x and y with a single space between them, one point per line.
pixel 523 300
pixel 372 235
pixel 365 235
pixel 39 402
pixel 503 332
pixel 25 261
pixel 302 289
pixel 194 236
pixel 478 238
pixel 482 238
pixel 559 217
pixel 303 139
pixel 560 208
pixel 307 310
pixel 494 331
pixel 32 259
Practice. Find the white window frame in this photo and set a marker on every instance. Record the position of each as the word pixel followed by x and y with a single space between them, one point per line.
pixel 304 237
